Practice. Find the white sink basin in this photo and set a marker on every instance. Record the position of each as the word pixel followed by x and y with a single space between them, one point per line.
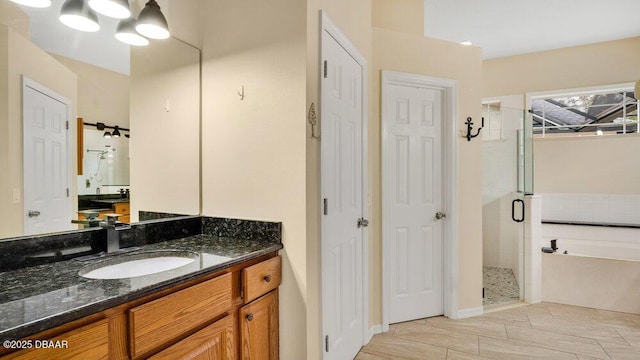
pixel 147 263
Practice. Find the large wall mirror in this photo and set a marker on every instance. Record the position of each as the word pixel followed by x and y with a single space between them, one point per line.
pixel 150 95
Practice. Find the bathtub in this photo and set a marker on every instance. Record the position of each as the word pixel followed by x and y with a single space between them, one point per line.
pixel 601 269
pixel 614 242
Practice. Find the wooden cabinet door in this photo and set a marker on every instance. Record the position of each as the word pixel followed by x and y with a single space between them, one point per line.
pixel 213 342
pixel 259 328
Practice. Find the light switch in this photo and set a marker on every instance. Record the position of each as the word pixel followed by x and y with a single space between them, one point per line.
pixel 16 195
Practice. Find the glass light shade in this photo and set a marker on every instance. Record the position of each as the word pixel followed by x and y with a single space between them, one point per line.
pixel 34 3
pixel 151 22
pixel 76 14
pixel 126 33
pixel 118 9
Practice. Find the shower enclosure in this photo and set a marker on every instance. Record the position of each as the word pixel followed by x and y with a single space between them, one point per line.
pixel 507 173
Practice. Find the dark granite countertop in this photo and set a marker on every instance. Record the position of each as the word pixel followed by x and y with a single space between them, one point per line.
pixel 590 223
pixel 112 201
pixel 37 298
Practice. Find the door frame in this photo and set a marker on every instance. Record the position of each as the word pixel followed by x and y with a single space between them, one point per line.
pixel 28 82
pixel 450 176
pixel 328 26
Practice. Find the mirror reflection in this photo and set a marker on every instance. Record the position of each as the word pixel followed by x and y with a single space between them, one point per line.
pixel 89 79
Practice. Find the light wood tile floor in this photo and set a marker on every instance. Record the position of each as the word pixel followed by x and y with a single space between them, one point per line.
pixel 541 331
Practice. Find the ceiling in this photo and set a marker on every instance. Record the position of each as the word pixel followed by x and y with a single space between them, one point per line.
pixel 510 27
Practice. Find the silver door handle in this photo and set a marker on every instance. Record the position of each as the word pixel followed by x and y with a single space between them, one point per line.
pixel 362 222
pixel 33 213
pixel 440 215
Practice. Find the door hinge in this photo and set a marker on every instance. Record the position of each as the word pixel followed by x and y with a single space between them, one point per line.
pixel 325 69
pixel 325 205
pixel 67 192
pixel 326 343
pixel 67 124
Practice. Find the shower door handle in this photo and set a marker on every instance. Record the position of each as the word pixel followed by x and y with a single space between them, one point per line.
pixel 513 210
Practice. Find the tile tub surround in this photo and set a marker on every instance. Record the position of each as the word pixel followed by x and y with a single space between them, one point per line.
pixel 591 208
pixel 33 299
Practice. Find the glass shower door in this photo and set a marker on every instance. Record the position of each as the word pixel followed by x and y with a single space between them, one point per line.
pixel 506 146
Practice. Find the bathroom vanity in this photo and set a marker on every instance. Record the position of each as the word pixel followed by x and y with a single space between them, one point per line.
pixel 222 305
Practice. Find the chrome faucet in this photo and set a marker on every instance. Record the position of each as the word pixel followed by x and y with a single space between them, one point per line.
pixel 113 237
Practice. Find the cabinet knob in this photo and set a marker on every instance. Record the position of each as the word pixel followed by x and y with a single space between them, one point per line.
pixel 267 278
pixel 249 316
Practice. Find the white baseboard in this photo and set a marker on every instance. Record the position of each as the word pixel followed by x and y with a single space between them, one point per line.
pixel 374 330
pixel 465 313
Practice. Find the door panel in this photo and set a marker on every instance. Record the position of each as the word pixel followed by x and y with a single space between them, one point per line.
pixel 412 123
pixel 46 169
pixel 342 289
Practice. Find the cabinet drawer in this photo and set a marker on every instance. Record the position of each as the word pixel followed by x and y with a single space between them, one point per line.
pixel 87 342
pixel 261 278
pixel 213 342
pixel 156 323
pixel 122 208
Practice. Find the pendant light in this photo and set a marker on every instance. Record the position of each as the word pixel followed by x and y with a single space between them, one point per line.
pixel 107 135
pixel 116 132
pixel 151 23
pixel 127 33
pixel 118 9
pixel 34 3
pixel 76 14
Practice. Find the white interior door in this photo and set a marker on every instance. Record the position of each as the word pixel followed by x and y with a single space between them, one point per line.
pixel 47 204
pixel 413 195
pixel 342 247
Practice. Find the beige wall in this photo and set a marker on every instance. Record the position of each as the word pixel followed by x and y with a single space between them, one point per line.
pixel 24 58
pixel 164 146
pixel 399 15
pixel 103 95
pixel 587 165
pixel 254 149
pixel 603 63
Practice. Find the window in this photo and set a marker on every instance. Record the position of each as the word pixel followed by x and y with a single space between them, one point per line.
pixel 597 112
